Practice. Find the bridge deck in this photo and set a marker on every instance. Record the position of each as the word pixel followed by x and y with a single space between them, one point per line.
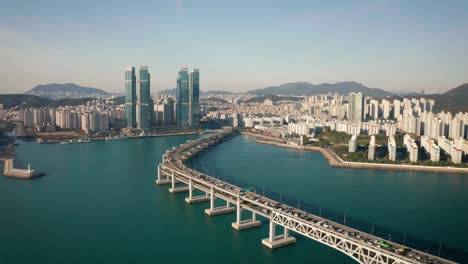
pixel 361 246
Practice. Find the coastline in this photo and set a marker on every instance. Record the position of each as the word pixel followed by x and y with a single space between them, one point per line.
pixel 128 137
pixel 334 161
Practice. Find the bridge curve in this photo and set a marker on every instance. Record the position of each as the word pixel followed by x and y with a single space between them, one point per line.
pixel 362 247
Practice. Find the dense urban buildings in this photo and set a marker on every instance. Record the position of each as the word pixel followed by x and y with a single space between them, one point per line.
pixel 397 130
pixel 95 116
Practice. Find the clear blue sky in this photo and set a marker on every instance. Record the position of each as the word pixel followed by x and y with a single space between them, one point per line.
pixel 238 45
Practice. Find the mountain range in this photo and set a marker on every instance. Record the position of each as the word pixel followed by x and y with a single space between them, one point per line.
pixel 29 100
pixel 172 92
pixel 273 97
pixel 68 90
pixel 453 100
pixel 305 88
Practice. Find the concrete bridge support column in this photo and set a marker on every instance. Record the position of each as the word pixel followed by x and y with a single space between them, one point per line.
pixel 212 211
pixel 173 180
pixel 160 181
pixel 190 189
pixel 212 199
pixel 159 172
pixel 274 241
pixel 246 224
pixel 272 236
pixel 175 189
pixel 195 199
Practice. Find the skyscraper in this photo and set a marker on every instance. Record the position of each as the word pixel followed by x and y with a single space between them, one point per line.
pixel 355 107
pixel 144 100
pixel 168 112
pixel 182 96
pixel 194 98
pixel 130 97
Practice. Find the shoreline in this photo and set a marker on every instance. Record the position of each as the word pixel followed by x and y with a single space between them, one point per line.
pixel 117 139
pixel 334 161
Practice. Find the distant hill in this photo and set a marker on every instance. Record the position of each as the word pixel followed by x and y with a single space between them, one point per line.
pixel 23 100
pixel 454 100
pixel 172 92
pixel 28 101
pixel 272 97
pixel 68 90
pixel 305 88
pixel 119 100
pixel 460 92
pixel 215 92
pixel 214 100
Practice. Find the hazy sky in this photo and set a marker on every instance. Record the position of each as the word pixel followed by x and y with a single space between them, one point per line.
pixel 238 45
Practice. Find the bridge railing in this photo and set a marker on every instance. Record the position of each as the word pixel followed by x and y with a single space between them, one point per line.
pixel 385 233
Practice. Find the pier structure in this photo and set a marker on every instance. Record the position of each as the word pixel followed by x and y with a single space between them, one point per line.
pixel 362 247
pixel 9 170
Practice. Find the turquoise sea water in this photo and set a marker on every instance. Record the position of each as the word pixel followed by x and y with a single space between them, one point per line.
pixel 98 204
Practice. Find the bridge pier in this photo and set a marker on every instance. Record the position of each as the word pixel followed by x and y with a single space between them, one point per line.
pixel 212 211
pixel 244 224
pixel 161 181
pixel 195 199
pixel 276 241
pixel 175 189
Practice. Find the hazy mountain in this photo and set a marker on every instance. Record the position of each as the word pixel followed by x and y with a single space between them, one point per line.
pixel 305 88
pixel 29 100
pixel 68 90
pixel 460 92
pixel 272 97
pixel 172 92
pixel 453 100
pixel 212 99
pixel 214 92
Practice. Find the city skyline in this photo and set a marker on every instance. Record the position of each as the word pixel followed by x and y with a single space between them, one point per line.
pixel 389 45
pixel 318 131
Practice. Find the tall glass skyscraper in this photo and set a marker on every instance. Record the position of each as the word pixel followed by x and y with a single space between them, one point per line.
pixel 144 100
pixel 182 96
pixel 130 97
pixel 194 98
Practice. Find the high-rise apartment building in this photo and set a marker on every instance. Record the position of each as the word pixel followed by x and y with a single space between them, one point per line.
pixel 188 98
pixel 391 148
pixel 371 150
pixel 352 144
pixel 168 111
pixel 144 100
pixel 396 109
pixel 194 98
pixel 355 107
pixel 130 97
pixel 374 109
pixel 385 109
pixel 182 97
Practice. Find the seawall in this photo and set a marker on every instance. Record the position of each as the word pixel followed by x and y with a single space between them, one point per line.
pixel 335 161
